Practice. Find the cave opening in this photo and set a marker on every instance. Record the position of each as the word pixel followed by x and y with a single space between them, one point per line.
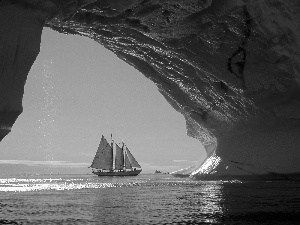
pixel 76 91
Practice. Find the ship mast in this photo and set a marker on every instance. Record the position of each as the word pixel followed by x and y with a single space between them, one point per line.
pixel 111 141
pixel 123 156
pixel 112 150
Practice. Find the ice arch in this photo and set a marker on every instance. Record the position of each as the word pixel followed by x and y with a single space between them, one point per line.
pixel 231 68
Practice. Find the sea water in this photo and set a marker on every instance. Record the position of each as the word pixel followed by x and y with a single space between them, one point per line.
pixel 145 199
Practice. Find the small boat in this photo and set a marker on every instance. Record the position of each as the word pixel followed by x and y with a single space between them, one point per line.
pixel 123 164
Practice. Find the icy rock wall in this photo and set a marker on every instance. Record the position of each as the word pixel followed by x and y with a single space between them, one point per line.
pixel 20 34
pixel 21 25
pixel 231 68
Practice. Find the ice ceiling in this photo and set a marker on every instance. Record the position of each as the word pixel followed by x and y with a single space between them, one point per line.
pixel 231 68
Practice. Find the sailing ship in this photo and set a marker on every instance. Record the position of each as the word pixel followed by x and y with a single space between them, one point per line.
pixel 123 164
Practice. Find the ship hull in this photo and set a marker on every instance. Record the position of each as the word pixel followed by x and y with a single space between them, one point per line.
pixel 117 173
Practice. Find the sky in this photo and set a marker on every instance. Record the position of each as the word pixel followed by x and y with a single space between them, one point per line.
pixel 77 91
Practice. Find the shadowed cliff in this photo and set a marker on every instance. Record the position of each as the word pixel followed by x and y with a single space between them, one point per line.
pixel 231 68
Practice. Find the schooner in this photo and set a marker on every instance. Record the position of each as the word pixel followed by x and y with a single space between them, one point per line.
pixel 123 164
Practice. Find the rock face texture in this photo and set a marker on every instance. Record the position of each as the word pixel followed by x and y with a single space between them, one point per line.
pixel 231 68
pixel 20 34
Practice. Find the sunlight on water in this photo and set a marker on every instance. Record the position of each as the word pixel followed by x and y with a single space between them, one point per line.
pixel 146 199
pixel 211 200
pixel 59 184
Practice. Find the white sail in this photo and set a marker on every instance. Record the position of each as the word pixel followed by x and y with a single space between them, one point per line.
pixel 119 158
pixel 132 160
pixel 104 156
pixel 127 163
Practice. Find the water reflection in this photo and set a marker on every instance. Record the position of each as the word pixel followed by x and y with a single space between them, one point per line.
pixel 203 202
pixel 211 201
pixel 150 199
pixel 262 202
pixel 180 201
pixel 59 184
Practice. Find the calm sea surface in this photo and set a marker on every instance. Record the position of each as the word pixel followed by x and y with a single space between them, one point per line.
pixel 145 199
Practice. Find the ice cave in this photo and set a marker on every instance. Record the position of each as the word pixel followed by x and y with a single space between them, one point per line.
pixel 230 67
